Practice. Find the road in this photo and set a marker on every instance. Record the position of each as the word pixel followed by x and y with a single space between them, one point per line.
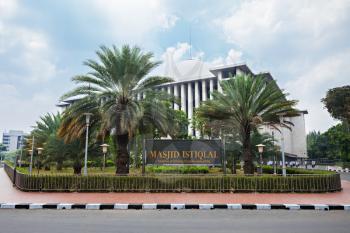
pixel 172 221
pixel 345 176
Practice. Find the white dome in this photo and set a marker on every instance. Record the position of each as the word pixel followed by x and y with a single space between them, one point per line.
pixel 187 70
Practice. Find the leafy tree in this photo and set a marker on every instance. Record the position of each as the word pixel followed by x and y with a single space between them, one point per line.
pixel 246 103
pixel 338 138
pixel 337 102
pixel 334 144
pixel 318 146
pixel 116 82
pixel 45 131
pixel 2 148
pixel 55 148
pixel 180 125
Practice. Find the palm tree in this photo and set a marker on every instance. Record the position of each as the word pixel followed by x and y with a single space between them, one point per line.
pixel 46 126
pixel 45 129
pixel 115 84
pixel 246 103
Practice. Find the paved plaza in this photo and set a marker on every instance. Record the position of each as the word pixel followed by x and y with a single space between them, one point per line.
pixel 9 194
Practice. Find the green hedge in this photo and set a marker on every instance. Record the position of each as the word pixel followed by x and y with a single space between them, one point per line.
pixel 178 169
pixel 177 183
pixel 311 183
pixel 269 170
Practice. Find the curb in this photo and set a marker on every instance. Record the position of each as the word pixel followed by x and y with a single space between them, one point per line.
pixel 154 206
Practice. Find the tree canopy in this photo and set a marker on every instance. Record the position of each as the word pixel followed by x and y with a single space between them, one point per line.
pixel 337 102
pixel 123 98
pixel 246 103
pixel 334 144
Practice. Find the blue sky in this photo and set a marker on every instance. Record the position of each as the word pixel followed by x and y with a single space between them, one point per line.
pixel 304 44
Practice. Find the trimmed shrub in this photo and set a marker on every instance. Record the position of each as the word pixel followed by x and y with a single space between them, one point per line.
pixel 177 183
pixel 269 170
pixel 178 169
pixel 109 163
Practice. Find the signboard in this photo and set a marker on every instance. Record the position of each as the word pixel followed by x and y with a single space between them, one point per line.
pixel 182 152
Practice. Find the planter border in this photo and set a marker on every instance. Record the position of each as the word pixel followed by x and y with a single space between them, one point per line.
pixel 308 183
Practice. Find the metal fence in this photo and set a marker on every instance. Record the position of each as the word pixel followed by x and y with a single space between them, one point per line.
pixel 176 183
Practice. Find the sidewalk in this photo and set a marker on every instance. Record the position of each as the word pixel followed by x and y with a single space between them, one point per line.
pixel 9 194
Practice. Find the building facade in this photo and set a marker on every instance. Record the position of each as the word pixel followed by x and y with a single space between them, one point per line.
pixel 194 83
pixel 13 140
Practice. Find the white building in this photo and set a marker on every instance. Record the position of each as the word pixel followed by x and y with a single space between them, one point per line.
pixel 13 140
pixel 194 82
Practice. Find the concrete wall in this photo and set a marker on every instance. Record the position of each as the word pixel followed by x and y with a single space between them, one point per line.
pixel 294 139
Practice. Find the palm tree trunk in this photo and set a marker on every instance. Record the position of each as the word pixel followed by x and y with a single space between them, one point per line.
pixel 77 167
pixel 122 154
pixel 233 170
pixel 247 154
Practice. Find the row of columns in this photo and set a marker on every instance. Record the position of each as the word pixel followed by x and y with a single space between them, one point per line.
pixel 187 87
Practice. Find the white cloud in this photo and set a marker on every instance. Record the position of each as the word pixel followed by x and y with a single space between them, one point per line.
pixel 26 62
pixel 311 86
pixel 257 25
pixel 182 52
pixel 304 43
pixel 8 8
pixel 233 56
pixel 176 53
pixel 168 21
pixel 22 112
pixel 26 50
pixel 132 20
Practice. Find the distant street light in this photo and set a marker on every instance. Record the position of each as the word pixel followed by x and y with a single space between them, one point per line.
pixel 104 150
pixel 40 151
pixel 20 158
pixel 31 156
pixel 284 172
pixel 261 150
pixel 87 121
pixel 274 152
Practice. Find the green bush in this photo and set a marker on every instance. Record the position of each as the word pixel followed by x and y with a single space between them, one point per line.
pixel 109 163
pixel 178 169
pixel 180 183
pixel 269 170
pixel 25 164
pixel 67 164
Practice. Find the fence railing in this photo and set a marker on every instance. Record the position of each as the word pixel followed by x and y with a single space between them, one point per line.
pixel 177 183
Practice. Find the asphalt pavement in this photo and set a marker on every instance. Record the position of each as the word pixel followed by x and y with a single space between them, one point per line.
pixel 165 221
pixel 345 176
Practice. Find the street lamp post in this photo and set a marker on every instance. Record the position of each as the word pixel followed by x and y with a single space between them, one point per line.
pixel 20 158
pixel 87 121
pixel 284 172
pixel 31 156
pixel 261 150
pixel 104 150
pixel 274 153
pixel 40 151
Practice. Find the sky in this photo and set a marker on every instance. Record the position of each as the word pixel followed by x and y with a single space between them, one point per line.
pixel 304 44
